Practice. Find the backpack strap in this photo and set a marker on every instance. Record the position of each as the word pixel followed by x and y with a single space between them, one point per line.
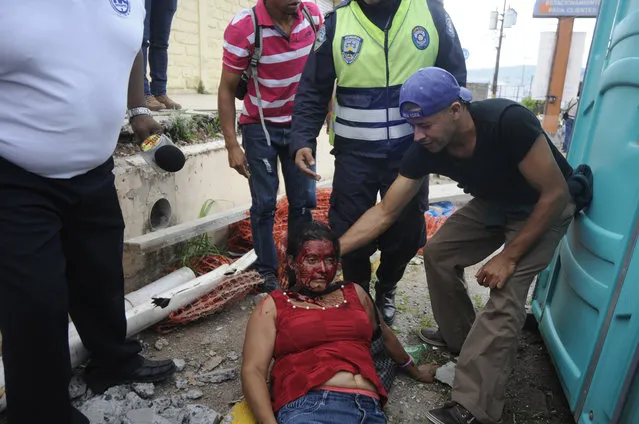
pixel 255 58
pixel 307 14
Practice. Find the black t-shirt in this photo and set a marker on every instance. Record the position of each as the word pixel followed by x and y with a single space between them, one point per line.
pixel 505 132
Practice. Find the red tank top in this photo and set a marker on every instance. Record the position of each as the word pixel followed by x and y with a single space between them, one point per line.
pixel 312 345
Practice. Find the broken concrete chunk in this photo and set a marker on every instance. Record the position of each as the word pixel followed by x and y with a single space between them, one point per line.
pixel 199 414
pixel 160 404
pixel 217 376
pixel 117 392
pixel 179 364
pixel 143 416
pixel 133 401
pixel 181 383
pixel 161 343
pixel 446 373
pixel 211 364
pixel 233 356
pixel 100 410
pixel 177 401
pixel 176 415
pixel 77 387
pixel 194 394
pixel 144 390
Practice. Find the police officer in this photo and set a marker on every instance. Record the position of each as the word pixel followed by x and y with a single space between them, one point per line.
pixel 368 48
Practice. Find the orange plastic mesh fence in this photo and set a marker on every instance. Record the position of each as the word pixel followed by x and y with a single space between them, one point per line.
pixel 229 291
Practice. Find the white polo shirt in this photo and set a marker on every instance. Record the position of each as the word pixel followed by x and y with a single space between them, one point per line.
pixel 64 74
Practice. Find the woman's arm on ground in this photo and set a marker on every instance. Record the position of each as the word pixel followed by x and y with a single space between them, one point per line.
pixel 423 373
pixel 259 343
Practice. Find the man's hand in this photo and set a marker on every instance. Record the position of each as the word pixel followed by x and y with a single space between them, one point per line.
pixel 143 126
pixel 496 272
pixel 304 160
pixel 424 373
pixel 237 160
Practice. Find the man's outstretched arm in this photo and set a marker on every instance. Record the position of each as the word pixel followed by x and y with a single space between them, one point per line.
pixel 381 216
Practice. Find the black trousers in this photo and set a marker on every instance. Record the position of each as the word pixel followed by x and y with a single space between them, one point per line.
pixel 60 253
pixel 356 182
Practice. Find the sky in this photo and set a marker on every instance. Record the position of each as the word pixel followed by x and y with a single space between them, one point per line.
pixel 521 42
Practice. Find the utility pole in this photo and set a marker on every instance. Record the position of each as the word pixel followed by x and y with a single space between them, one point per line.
pixel 507 18
pixel 501 37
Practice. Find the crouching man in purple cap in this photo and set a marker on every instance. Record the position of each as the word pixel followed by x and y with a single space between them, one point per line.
pixel 497 151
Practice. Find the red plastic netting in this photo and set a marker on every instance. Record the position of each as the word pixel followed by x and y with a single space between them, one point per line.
pixel 229 291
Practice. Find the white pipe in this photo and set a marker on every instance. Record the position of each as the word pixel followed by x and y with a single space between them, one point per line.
pixel 165 283
pixel 147 313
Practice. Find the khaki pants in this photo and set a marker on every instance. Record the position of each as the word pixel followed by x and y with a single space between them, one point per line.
pixel 488 341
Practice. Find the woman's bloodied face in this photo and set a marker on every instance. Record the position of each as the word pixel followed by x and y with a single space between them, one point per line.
pixel 316 265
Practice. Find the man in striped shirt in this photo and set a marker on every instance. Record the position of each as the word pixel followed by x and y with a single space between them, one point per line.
pixel 287 35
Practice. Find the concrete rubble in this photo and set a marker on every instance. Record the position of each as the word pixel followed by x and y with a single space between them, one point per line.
pixel 124 405
pixel 446 373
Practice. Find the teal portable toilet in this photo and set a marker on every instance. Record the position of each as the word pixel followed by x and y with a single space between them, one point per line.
pixel 587 300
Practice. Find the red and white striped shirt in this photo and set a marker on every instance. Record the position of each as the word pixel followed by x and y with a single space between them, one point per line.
pixel 280 66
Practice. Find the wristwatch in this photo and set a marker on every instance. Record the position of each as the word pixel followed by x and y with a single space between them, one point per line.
pixel 133 112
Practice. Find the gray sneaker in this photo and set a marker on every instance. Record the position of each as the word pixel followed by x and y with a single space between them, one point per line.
pixel 432 336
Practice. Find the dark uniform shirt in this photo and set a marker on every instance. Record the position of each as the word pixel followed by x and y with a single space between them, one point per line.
pixel 316 85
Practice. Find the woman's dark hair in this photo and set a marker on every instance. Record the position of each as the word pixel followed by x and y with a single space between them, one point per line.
pixel 308 231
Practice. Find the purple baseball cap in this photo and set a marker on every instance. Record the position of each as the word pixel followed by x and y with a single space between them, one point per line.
pixel 432 89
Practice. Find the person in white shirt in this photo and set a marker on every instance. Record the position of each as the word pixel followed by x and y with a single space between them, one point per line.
pixel 60 221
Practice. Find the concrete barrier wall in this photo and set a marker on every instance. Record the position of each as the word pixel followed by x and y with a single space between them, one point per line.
pixel 206 175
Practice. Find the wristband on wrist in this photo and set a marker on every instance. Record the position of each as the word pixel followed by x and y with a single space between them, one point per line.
pixel 410 361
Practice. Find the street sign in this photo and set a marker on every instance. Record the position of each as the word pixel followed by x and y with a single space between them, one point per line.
pixel 566 8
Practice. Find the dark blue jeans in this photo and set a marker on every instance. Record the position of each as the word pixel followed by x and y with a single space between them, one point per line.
pixel 155 44
pixel 356 182
pixel 326 407
pixel 264 183
pixel 569 125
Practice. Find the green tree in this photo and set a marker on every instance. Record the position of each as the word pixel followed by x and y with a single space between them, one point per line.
pixel 535 106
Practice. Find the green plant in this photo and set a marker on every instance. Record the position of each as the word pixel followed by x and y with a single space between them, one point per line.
pixel 199 246
pixel 208 125
pixel 201 89
pixel 535 106
pixel 428 321
pixel 180 127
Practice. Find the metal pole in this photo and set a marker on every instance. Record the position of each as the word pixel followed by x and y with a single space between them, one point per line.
pixel 501 35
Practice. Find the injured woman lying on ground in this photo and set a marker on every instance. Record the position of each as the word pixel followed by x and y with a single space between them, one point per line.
pixel 318 333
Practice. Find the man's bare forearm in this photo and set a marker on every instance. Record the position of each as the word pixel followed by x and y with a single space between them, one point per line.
pixel 226 106
pixel 367 228
pixel 545 212
pixel 258 397
pixel 136 83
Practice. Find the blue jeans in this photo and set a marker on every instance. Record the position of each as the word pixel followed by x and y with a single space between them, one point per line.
pixel 569 124
pixel 326 407
pixel 264 183
pixel 155 44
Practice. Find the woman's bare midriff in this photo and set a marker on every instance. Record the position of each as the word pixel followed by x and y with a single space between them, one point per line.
pixel 346 380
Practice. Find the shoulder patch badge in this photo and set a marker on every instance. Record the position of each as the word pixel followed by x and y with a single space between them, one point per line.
pixel 351 46
pixel 122 7
pixel 450 28
pixel 421 39
pixel 320 38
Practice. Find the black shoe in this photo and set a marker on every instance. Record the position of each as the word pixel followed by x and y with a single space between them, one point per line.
pixel 78 417
pixel 432 336
pixel 149 371
pixel 270 283
pixel 385 301
pixel 451 413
